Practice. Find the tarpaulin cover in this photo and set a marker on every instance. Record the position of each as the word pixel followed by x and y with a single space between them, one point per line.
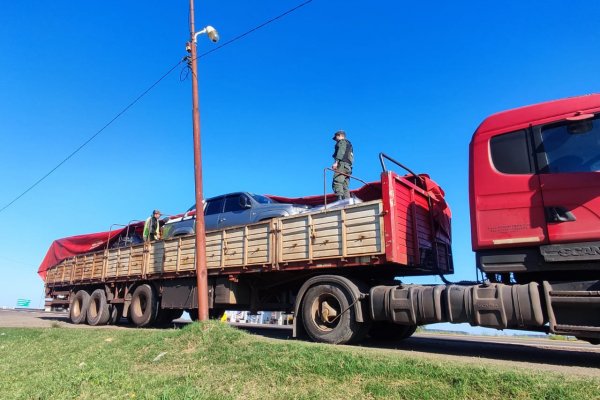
pixel 64 248
pixel 370 191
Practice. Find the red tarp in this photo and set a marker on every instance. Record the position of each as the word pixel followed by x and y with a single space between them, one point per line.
pixel 62 249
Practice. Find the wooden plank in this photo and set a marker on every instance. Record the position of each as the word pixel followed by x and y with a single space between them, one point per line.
pixel 350 237
pixel 294 222
pixel 245 247
pixel 363 228
pixel 343 232
pixel 259 259
pixel 365 242
pixel 311 238
pixel 331 232
pixel 297 237
pixel 327 254
pixel 331 220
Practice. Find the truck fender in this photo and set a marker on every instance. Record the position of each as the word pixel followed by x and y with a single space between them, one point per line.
pixel 339 280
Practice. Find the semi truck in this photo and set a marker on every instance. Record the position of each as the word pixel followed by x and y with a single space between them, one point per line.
pixel 534 195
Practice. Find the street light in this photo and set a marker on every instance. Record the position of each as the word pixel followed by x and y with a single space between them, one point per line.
pixel 201 273
pixel 212 33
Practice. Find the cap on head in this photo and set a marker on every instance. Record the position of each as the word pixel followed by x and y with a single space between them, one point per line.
pixel 156 212
pixel 343 133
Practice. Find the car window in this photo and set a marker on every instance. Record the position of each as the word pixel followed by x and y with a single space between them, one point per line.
pixel 214 206
pixel 234 203
pixel 262 199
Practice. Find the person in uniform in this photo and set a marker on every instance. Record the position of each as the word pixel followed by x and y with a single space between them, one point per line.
pixel 343 157
pixel 152 227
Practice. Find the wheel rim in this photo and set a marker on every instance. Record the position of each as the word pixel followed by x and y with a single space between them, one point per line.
pixel 325 312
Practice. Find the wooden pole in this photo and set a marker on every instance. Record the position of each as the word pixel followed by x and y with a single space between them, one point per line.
pixel 201 273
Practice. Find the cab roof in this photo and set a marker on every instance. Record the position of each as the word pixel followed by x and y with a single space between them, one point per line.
pixel 517 117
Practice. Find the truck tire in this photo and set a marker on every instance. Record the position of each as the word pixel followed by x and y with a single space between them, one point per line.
pixel 328 316
pixel 388 331
pixel 79 307
pixel 98 313
pixel 144 306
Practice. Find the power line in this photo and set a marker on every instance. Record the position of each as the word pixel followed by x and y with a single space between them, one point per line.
pixel 291 10
pixel 138 98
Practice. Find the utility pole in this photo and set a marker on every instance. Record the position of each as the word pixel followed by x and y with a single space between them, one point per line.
pixel 201 273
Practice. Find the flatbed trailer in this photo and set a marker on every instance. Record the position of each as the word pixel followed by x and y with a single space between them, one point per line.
pixel 266 265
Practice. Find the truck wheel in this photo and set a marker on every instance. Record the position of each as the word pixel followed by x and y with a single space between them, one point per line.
pixel 98 313
pixel 79 307
pixel 144 306
pixel 388 331
pixel 324 318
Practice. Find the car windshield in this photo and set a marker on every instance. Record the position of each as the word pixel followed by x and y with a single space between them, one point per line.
pixel 193 207
pixel 262 199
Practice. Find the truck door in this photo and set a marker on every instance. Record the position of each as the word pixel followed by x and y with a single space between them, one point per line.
pixel 508 203
pixel 236 212
pixel 569 161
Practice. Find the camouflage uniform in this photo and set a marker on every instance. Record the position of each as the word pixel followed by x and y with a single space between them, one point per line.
pixel 344 157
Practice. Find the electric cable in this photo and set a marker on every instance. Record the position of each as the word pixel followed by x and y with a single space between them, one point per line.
pixel 138 98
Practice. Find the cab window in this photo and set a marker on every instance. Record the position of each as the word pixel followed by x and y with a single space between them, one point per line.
pixel 510 153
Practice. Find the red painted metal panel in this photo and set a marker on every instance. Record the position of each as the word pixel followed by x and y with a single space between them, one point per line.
pixel 537 113
pixel 409 220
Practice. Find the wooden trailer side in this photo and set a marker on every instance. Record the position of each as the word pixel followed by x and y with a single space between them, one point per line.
pixel 324 236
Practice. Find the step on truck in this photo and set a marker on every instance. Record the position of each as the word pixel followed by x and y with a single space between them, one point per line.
pixel 534 192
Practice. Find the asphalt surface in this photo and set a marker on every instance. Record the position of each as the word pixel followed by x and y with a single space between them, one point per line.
pixel 575 358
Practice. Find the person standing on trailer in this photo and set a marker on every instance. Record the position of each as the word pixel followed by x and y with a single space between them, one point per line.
pixel 343 158
pixel 152 227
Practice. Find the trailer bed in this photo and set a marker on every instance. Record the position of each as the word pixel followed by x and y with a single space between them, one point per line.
pixel 399 230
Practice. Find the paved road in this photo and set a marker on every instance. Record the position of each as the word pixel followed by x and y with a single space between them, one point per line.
pixel 565 357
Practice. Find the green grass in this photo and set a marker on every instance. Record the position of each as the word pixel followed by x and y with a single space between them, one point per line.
pixel 215 361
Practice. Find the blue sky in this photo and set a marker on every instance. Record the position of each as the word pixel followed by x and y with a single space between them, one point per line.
pixel 412 79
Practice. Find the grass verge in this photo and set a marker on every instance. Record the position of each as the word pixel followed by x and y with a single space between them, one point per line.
pixel 215 361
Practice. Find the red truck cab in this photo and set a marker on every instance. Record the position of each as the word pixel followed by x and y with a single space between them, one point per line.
pixel 534 188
